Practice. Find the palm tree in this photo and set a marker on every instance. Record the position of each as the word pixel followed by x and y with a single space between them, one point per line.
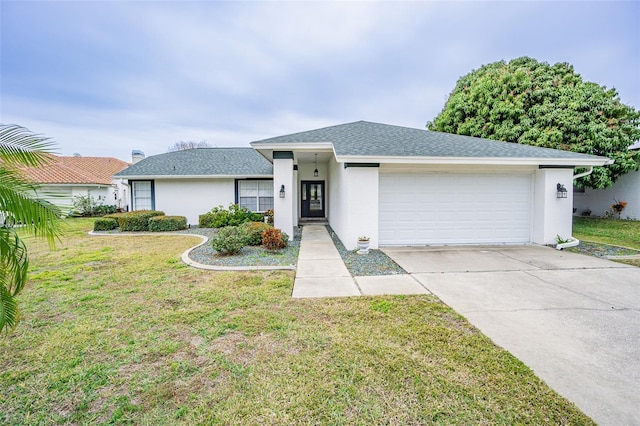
pixel 19 204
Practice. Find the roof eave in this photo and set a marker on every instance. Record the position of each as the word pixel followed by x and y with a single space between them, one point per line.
pixel 280 146
pixel 579 162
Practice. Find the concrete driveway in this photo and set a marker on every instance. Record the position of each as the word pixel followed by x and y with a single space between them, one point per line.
pixel 574 319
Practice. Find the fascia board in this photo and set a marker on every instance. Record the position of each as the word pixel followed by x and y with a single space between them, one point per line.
pixel 73 184
pixel 150 177
pixel 290 146
pixel 597 161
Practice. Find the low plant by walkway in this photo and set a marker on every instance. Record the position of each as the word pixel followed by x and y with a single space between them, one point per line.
pixel 119 331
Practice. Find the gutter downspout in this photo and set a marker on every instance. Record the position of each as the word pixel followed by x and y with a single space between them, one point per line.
pixel 572 242
pixel 587 173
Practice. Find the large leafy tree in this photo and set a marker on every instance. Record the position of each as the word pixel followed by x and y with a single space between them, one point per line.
pixel 20 208
pixel 534 103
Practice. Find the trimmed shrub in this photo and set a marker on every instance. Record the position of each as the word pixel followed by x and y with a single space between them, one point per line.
pixel 167 223
pixel 229 240
pixel 105 224
pixel 273 239
pixel 254 232
pixel 220 217
pixel 137 220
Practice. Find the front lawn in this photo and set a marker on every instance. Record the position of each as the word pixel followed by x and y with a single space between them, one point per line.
pixel 117 330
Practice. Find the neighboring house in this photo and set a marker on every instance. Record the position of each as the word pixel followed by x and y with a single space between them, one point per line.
pixel 599 201
pixel 193 181
pixel 63 178
pixel 395 185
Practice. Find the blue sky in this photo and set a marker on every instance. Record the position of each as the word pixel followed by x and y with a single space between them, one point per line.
pixel 103 78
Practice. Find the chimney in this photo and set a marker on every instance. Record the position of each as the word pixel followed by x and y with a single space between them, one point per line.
pixel 136 156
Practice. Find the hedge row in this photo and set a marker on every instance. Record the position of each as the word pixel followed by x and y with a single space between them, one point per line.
pixel 167 223
pixel 141 220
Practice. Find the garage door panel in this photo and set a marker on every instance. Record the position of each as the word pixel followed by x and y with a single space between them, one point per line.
pixel 455 208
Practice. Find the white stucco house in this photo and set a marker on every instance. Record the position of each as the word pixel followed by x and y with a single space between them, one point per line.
pixel 598 201
pixel 395 185
pixel 64 177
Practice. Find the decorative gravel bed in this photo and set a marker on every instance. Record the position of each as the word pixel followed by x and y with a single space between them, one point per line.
pixel 602 250
pixel 374 263
pixel 248 256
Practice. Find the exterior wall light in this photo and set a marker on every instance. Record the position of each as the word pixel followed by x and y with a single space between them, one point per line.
pixel 562 191
pixel 281 191
pixel 315 172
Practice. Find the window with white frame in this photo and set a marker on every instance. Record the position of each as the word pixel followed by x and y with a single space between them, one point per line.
pixel 256 195
pixel 142 195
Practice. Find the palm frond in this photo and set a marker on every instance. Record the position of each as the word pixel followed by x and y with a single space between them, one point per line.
pixel 19 199
pixel 14 263
pixel 9 311
pixel 20 146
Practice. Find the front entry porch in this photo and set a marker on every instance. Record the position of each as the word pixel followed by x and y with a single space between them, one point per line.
pixel 312 199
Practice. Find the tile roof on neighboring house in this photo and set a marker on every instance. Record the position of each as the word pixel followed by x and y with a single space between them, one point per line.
pixel 75 170
pixel 202 162
pixel 363 138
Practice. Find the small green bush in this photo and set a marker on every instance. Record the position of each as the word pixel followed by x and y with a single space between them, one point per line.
pixel 206 220
pixel 254 232
pixel 105 224
pixel 137 220
pixel 229 240
pixel 273 239
pixel 167 223
pixel 220 217
pixel 87 206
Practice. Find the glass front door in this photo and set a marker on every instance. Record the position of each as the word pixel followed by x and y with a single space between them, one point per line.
pixel 312 199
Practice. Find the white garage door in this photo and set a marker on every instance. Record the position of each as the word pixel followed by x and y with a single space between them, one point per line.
pixel 440 208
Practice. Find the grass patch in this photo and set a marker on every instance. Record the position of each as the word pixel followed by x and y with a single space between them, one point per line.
pixel 622 233
pixel 131 338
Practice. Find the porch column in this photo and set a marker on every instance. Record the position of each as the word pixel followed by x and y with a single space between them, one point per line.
pixel 296 194
pixel 552 216
pixel 283 207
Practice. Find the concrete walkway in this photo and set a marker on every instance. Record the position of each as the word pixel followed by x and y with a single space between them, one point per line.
pixel 322 273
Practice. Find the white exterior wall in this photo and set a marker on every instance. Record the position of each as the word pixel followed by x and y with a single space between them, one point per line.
pixel 284 209
pixel 552 216
pixel 353 203
pixel 599 201
pixel 193 197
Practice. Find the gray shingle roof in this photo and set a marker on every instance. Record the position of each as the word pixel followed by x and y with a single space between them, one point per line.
pixel 202 162
pixel 363 138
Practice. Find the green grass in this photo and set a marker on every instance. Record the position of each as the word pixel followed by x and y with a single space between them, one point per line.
pixel 624 233
pixel 115 330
